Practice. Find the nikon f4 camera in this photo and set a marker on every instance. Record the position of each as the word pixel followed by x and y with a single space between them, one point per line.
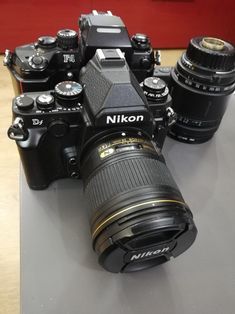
pixel 41 65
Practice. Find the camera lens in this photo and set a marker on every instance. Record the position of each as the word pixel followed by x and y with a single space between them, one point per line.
pixel 201 85
pixel 138 217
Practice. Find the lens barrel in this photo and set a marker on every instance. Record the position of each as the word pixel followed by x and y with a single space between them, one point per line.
pixel 138 217
pixel 201 85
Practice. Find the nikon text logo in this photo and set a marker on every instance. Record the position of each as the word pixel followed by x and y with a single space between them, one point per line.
pixel 149 253
pixel 121 118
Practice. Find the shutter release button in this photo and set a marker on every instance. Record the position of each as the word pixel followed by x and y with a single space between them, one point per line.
pixel 37 60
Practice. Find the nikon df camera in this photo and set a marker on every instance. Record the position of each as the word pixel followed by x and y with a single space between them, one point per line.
pixel 108 130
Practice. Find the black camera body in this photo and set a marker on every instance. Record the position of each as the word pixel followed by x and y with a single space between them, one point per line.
pixel 103 30
pixel 41 65
pixel 52 128
pixel 108 130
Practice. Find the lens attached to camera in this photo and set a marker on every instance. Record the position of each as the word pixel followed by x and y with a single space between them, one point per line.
pixel 138 217
pixel 201 85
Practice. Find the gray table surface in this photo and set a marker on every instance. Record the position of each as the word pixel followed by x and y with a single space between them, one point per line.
pixel 59 270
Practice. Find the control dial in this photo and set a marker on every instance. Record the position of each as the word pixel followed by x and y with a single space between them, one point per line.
pixel 67 39
pixel 155 89
pixel 68 93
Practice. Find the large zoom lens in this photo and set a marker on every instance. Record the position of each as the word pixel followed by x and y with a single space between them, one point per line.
pixel 201 85
pixel 138 217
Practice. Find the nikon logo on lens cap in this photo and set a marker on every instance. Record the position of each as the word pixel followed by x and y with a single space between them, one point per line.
pixel 150 253
pixel 147 254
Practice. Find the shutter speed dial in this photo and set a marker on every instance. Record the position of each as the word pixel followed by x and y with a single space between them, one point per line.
pixel 155 89
pixel 68 93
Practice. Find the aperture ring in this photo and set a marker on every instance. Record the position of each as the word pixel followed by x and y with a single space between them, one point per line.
pixel 183 120
pixel 202 87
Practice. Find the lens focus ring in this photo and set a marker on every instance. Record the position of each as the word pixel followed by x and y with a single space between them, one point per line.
pixel 124 175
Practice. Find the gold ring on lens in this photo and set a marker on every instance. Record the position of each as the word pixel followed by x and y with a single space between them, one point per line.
pixel 153 202
pixel 213 43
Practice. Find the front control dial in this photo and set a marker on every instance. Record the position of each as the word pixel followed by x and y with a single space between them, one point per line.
pixel 58 128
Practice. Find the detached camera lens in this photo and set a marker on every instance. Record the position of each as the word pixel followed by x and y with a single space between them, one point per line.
pixel 201 85
pixel 138 217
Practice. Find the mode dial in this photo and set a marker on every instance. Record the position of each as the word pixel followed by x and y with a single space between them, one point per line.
pixel 67 39
pixel 68 93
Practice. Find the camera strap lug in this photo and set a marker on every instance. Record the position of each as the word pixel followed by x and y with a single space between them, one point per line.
pixel 16 131
pixel 170 116
pixel 158 57
pixel 7 57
